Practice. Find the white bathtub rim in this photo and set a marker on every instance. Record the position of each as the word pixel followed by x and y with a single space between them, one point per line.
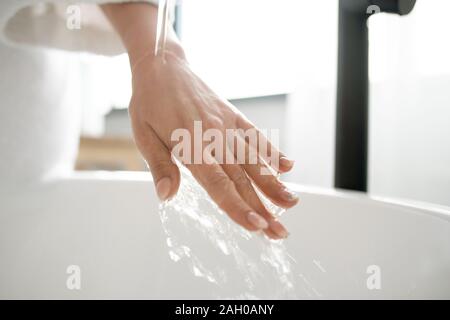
pixel 93 177
pixel 436 210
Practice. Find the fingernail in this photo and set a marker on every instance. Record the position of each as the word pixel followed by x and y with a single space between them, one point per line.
pixel 163 188
pixel 257 221
pixel 279 229
pixel 285 162
pixel 289 195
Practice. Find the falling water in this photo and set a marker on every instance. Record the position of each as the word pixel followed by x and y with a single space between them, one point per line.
pixel 238 263
pixel 162 28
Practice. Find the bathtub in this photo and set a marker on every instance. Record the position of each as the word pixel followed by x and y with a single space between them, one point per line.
pixel 107 224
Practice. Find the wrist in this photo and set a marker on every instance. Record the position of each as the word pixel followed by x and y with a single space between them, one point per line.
pixel 149 68
pixel 146 55
pixel 147 52
pixel 136 23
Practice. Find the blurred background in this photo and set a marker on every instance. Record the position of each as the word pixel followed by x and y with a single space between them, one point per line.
pixel 277 62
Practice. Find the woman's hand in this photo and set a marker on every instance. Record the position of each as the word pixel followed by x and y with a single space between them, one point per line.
pixel 168 96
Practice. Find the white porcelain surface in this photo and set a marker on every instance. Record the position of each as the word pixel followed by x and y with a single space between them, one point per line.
pixel 108 224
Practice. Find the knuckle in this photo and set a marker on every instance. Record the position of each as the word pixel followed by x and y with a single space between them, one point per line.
pixel 240 179
pixel 134 110
pixel 248 195
pixel 221 189
pixel 214 122
pixel 270 181
pixel 218 180
pixel 161 165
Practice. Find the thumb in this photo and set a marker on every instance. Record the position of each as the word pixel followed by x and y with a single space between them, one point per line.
pixel 166 174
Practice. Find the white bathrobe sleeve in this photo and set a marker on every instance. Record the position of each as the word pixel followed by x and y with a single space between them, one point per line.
pixel 76 25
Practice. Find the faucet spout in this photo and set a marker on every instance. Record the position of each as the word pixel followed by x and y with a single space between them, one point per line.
pixel 352 109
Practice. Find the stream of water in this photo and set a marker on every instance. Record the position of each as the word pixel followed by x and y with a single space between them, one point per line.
pixel 239 264
pixel 162 29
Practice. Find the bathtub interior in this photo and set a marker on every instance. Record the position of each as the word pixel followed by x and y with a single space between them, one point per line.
pixel 108 224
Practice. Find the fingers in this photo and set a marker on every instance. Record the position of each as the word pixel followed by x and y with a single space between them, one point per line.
pixel 282 163
pixel 262 175
pixel 166 174
pixel 246 190
pixel 270 185
pixel 224 193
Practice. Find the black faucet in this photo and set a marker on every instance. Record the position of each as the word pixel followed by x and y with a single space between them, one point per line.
pixel 352 114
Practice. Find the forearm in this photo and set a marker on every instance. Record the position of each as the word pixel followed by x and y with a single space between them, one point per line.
pixel 136 24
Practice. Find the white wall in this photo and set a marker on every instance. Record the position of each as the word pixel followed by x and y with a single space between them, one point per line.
pixel 410 106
